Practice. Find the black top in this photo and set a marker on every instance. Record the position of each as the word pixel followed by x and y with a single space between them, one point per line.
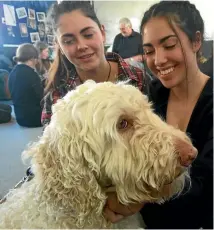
pixel 128 47
pixel 27 93
pixel 194 209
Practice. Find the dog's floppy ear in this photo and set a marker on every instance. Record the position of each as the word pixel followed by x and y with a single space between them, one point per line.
pixel 66 167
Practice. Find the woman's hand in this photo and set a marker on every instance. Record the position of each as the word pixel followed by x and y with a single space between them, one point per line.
pixel 114 211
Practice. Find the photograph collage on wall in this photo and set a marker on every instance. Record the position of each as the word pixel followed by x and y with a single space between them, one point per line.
pixel 30 23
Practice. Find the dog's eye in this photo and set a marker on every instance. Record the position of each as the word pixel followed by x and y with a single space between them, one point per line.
pixel 122 124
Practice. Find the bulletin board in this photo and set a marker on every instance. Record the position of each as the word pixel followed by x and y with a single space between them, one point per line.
pixel 24 22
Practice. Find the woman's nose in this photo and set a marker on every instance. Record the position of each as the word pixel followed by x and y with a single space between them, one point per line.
pixel 81 45
pixel 160 57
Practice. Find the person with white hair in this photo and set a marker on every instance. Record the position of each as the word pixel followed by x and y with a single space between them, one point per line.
pixel 128 43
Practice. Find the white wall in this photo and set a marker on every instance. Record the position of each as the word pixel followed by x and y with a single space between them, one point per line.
pixel 207 12
pixel 110 12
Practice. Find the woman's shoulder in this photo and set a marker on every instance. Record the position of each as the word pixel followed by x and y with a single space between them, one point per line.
pixel 23 71
pixel 204 107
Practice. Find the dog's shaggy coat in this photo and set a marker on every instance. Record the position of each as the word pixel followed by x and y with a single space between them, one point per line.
pixel 100 136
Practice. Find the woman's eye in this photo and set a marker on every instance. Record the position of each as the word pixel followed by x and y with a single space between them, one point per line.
pixel 148 52
pixel 88 35
pixel 68 42
pixel 170 47
pixel 123 124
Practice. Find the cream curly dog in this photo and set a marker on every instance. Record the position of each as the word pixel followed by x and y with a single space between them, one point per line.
pixel 100 136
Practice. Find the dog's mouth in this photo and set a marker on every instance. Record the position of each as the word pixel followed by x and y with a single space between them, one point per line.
pixel 183 170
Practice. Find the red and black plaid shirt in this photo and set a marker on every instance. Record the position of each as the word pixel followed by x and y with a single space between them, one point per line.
pixel 125 72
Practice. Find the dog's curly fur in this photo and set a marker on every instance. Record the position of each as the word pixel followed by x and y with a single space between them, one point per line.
pixel 100 136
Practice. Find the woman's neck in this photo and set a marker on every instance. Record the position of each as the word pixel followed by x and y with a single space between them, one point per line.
pixel 100 74
pixel 191 88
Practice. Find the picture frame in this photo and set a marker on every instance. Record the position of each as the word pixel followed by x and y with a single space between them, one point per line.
pixel 21 12
pixel 23 29
pixel 31 23
pixel 34 37
pixel 31 14
pixel 40 16
pixel 50 40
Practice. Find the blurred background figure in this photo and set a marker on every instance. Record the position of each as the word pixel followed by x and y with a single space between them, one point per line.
pixel 5 113
pixel 4 90
pixel 128 43
pixel 43 65
pixel 25 87
pixel 5 62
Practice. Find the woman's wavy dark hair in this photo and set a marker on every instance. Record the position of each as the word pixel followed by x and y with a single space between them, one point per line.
pixel 61 67
pixel 182 13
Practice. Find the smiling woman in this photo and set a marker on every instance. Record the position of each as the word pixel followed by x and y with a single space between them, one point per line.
pixel 80 53
pixel 172 35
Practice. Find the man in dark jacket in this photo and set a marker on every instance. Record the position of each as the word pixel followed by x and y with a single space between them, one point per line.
pixel 128 44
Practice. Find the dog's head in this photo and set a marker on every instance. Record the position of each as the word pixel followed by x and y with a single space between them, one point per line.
pixel 104 135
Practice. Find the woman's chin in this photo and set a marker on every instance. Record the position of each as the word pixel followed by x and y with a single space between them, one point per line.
pixel 169 83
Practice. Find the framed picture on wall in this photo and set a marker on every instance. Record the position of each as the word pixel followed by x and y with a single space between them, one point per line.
pixel 50 39
pixel 31 23
pixel 31 14
pixel 48 29
pixel 34 37
pixel 23 29
pixel 40 16
pixel 41 29
pixel 21 12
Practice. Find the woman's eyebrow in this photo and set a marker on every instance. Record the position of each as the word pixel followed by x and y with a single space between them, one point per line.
pixel 81 31
pixel 161 40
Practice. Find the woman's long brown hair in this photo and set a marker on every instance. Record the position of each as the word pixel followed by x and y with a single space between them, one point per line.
pixel 58 70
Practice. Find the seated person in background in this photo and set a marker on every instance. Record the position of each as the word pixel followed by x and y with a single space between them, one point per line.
pixel 5 62
pixel 128 44
pixel 25 87
pixel 4 90
pixel 5 113
pixel 43 64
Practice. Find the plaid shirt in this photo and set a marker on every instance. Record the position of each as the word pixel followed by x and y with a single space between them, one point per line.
pixel 125 72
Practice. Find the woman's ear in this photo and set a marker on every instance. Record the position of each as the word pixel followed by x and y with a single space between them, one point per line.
pixel 197 42
pixel 103 33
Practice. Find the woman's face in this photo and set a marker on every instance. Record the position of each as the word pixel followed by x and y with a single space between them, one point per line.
pixel 81 40
pixel 164 54
pixel 44 54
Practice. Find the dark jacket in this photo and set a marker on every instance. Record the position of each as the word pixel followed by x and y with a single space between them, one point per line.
pixel 26 92
pixel 194 209
pixel 128 47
